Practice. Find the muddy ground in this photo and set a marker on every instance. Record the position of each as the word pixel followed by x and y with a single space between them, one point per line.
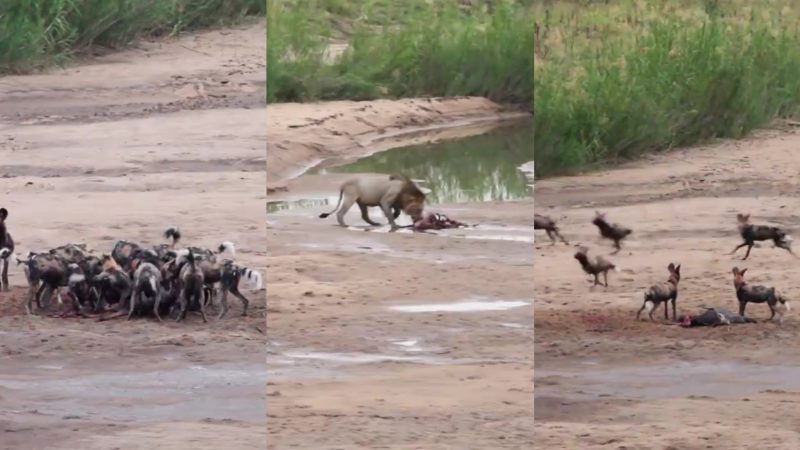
pixel 121 147
pixel 606 381
pixel 346 370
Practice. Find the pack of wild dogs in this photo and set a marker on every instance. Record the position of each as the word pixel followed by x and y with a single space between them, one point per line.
pixel 666 292
pixel 133 279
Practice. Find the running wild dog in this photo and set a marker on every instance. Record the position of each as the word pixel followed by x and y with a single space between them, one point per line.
pixel 6 248
pixel 547 224
pixel 610 231
pixel 595 266
pixel 752 233
pixel 747 293
pixel 663 292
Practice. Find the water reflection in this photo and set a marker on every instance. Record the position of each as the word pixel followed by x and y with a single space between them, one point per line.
pixel 476 169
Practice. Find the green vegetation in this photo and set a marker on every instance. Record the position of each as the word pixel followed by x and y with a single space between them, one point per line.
pixel 37 33
pixel 616 79
pixel 399 48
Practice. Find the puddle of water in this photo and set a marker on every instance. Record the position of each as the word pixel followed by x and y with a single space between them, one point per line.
pixel 409 345
pixel 356 358
pixel 698 378
pixel 489 167
pixel 471 306
pixel 512 325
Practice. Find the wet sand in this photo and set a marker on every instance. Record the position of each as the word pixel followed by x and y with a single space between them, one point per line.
pixel 604 380
pixel 347 368
pixel 121 147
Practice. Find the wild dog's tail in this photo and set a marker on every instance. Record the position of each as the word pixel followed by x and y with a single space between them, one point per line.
pixel 338 203
pixel 615 268
pixel 227 246
pixel 4 252
pixel 253 276
pixel 173 233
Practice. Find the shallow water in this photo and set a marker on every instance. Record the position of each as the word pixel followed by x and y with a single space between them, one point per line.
pixel 469 306
pixel 489 167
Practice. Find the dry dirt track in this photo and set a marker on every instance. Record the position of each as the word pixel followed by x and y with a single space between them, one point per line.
pixel 120 147
pixel 604 381
pixel 347 372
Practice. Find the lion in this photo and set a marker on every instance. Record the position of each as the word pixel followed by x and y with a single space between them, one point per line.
pixel 393 194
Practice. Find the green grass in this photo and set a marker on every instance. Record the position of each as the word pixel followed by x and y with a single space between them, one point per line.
pixel 399 49
pixel 616 80
pixel 38 33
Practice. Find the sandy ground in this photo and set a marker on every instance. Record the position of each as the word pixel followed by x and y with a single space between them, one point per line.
pixel 120 147
pixel 605 381
pixel 345 370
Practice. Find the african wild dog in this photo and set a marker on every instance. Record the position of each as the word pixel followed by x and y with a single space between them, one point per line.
pixel 752 233
pixel 663 292
pixel 595 266
pixel 610 231
pixel 747 293
pixel 146 283
pixel 231 276
pixel 547 224
pixel 6 248
pixel 191 283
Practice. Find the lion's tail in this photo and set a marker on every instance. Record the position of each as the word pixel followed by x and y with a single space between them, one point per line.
pixel 338 203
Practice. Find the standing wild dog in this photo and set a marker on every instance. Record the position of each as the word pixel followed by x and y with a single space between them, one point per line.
pixel 595 266
pixel 146 283
pixel 752 233
pixel 611 231
pixel 663 292
pixel 747 293
pixel 6 248
pixel 231 276
pixel 547 224
pixel 191 287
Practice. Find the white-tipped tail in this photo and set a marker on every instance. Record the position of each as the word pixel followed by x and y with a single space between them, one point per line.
pixel 30 254
pixel 254 277
pixel 228 246
pixel 648 306
pixel 788 238
pixel 617 269
pixel 153 284
pixel 4 252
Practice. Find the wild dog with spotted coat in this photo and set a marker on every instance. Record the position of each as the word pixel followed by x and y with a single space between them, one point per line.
pixel 611 231
pixel 595 266
pixel 752 233
pixel 6 248
pixel 665 292
pixel 747 293
pixel 547 224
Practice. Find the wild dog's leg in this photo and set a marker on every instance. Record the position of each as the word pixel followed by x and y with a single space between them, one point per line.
pixel 134 301
pixel 666 310
pixel 183 305
pixel 33 291
pixel 738 247
pixel 616 246
pixel 749 247
pixel 237 294
pixel 158 304
pixel 5 274
pixel 46 295
pixel 674 308
pixel 742 305
pixel 347 203
pixel 605 278
pixel 596 279
pixel 550 235
pixel 560 237
pixel 224 301
pixel 365 215
pixel 199 295
pixel 396 210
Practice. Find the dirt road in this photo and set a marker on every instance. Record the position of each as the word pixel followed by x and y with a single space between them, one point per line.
pixel 348 366
pixel 604 380
pixel 121 147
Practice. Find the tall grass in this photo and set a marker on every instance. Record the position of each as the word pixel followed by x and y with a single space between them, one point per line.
pixel 401 49
pixel 36 33
pixel 649 77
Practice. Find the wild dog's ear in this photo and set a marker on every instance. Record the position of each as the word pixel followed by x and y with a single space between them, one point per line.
pixel 678 269
pixel 3 213
pixel 741 272
pixel 671 267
